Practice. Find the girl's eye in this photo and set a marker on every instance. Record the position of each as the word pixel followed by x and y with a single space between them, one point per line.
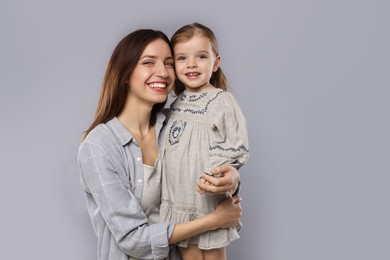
pixel 202 56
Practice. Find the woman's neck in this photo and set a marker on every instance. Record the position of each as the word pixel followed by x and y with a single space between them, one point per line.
pixel 135 117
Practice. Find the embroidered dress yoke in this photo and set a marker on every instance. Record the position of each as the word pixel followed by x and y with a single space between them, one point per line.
pixel 205 130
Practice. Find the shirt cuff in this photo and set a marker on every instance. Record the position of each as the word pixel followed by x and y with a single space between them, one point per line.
pixel 238 188
pixel 160 234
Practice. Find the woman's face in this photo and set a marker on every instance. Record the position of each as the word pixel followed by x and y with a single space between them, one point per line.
pixel 153 76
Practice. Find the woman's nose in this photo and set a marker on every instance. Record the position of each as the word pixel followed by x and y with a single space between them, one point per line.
pixel 161 71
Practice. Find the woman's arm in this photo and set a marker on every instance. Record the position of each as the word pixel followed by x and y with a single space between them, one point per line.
pixel 227 214
pixel 115 207
pixel 124 216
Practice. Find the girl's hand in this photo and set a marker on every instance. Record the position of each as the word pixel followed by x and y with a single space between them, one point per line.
pixel 228 213
pixel 226 182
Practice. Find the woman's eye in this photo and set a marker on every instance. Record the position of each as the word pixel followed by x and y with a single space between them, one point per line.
pixel 180 58
pixel 169 63
pixel 148 62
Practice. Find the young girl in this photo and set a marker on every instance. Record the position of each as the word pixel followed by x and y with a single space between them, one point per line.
pixel 206 128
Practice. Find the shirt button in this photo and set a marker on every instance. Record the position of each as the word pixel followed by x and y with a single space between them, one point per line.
pixel 139 180
pixel 138 159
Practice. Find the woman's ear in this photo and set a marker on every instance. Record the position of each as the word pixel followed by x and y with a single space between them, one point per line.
pixel 216 63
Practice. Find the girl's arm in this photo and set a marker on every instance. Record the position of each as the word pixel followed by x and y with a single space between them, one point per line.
pixel 228 150
pixel 229 145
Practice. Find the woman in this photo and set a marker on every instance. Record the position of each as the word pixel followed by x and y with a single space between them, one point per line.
pixel 118 157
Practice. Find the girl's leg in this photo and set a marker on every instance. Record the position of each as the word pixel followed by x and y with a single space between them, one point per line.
pixel 192 252
pixel 215 254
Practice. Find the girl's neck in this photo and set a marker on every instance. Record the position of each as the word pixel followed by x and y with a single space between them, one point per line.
pixel 200 89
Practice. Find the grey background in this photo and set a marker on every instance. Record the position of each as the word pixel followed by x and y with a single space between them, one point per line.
pixel 312 78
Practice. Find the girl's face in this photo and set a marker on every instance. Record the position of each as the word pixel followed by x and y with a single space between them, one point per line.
pixel 195 62
pixel 153 76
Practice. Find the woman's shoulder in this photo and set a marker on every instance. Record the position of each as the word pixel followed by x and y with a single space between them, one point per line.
pixel 101 137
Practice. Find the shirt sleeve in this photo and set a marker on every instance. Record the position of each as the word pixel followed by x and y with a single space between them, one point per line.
pixel 229 144
pixel 119 207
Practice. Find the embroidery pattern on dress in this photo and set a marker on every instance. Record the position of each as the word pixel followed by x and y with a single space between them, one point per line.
pixel 200 111
pixel 193 98
pixel 176 131
pixel 241 148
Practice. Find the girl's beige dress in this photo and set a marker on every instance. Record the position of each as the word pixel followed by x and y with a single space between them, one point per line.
pixel 204 130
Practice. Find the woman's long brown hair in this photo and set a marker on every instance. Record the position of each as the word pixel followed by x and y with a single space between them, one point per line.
pixel 115 86
pixel 185 33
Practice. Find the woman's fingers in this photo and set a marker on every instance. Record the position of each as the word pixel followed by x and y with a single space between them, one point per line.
pixel 223 179
pixel 213 180
pixel 211 188
pixel 201 184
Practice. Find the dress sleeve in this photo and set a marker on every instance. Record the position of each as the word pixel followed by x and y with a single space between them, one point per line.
pixel 121 211
pixel 229 144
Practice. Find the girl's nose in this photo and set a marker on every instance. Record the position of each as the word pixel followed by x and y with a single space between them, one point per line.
pixel 191 63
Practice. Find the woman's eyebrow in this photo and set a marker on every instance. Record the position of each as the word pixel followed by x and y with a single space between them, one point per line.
pixel 154 57
pixel 149 56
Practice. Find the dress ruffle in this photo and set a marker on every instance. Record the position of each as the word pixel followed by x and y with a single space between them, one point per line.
pixel 205 241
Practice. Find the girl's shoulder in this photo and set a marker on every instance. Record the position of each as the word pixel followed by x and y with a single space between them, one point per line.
pixel 226 106
pixel 226 95
pixel 223 98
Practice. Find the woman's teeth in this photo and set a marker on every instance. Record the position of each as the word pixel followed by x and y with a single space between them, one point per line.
pixel 158 85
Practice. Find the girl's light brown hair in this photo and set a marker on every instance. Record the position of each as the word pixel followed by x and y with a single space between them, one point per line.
pixel 185 33
pixel 115 86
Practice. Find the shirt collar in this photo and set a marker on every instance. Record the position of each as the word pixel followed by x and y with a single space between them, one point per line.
pixel 124 135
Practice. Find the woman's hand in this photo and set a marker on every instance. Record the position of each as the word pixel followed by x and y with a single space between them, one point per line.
pixel 228 212
pixel 226 181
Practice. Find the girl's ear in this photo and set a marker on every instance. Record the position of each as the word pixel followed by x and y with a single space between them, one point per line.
pixel 216 63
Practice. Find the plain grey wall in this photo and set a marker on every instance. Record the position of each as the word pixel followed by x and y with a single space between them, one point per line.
pixel 312 78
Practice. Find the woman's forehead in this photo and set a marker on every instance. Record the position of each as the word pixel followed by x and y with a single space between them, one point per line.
pixel 157 48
